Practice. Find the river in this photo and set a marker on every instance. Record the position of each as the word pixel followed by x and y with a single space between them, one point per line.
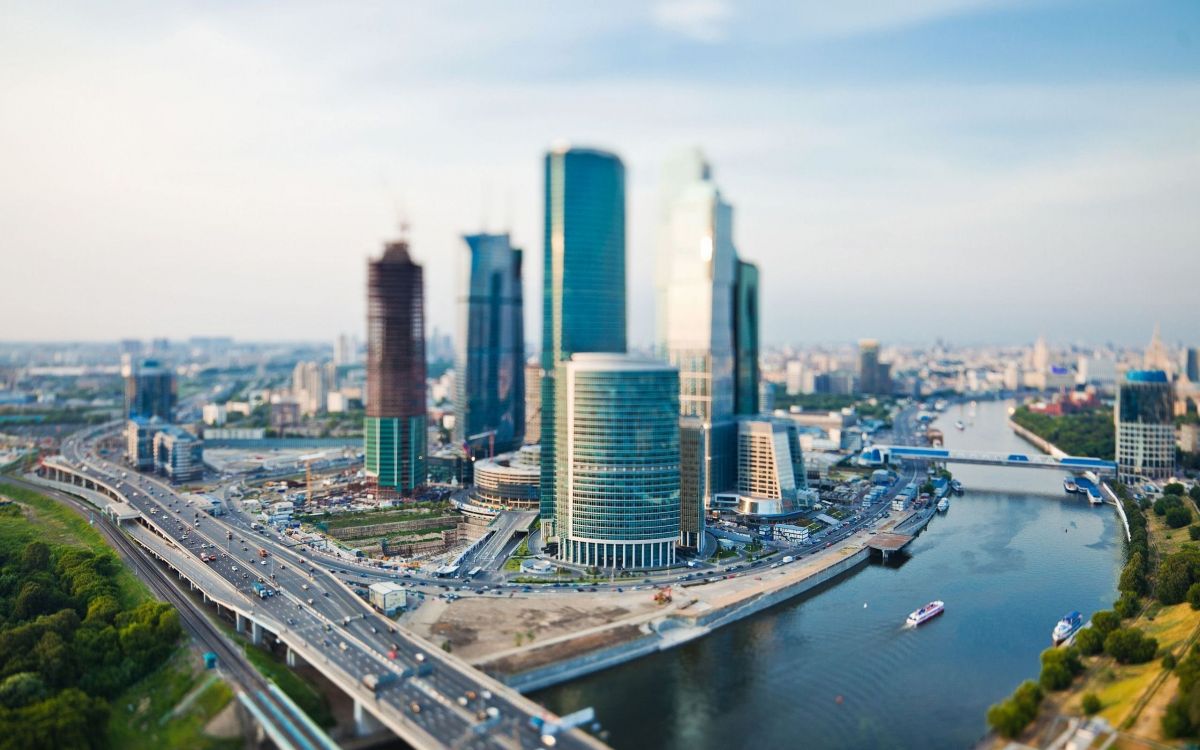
pixel 837 669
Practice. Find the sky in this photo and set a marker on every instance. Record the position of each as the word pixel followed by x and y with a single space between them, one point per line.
pixel 974 170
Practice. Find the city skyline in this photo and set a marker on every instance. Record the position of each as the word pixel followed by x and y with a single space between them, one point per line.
pixel 865 144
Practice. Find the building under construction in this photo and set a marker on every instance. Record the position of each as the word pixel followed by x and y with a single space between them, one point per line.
pixel 395 431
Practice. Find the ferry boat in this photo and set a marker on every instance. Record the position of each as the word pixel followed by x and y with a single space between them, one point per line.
pixel 926 613
pixel 1066 627
pixel 1070 486
pixel 944 504
pixel 1094 496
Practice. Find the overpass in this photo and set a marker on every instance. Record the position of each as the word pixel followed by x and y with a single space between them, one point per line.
pixel 397 681
pixel 879 455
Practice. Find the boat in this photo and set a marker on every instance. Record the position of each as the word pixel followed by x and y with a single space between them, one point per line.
pixel 1070 486
pixel 926 613
pixel 959 424
pixel 943 504
pixel 1094 496
pixel 1066 627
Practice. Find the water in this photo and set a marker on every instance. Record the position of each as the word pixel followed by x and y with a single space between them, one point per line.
pixel 824 671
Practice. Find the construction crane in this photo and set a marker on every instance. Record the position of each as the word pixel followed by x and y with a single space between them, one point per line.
pixel 308 488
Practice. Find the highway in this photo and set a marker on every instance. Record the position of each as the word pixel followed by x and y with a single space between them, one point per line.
pixel 447 702
pixel 285 725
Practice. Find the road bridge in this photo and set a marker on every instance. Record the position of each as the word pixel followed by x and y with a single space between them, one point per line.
pixel 879 455
pixel 429 698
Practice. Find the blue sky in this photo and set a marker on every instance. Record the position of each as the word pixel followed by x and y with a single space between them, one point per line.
pixel 905 169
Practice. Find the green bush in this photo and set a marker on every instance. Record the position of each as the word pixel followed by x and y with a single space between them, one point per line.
pixel 1168 661
pixel 1010 716
pixel 1089 641
pixel 1176 573
pixel 1174 488
pixel 1130 646
pixel 1194 533
pixel 1059 667
pixel 1133 575
pixel 1193 595
pixel 1127 605
pixel 1178 517
pixel 1106 621
pixel 1091 704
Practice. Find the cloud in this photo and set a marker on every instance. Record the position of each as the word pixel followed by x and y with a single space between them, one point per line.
pixel 699 20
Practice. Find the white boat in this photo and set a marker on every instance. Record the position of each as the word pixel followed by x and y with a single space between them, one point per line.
pixel 926 613
pixel 944 504
pixel 1070 486
pixel 1066 627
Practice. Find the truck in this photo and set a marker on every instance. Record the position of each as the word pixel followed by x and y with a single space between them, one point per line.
pixel 373 682
pixel 256 525
pixel 262 591
pixel 262 552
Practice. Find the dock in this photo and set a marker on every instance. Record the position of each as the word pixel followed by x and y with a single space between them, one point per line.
pixel 886 543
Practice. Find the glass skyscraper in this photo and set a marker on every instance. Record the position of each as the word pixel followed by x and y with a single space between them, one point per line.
pixel 149 390
pixel 394 429
pixel 745 342
pixel 1144 417
pixel 583 287
pixel 490 358
pixel 618 505
pixel 696 272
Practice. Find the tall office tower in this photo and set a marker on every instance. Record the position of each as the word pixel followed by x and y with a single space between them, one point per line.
pixel 149 390
pixel 533 403
pixel 1040 359
pixel 794 377
pixel 745 339
pixel 1157 357
pixel 868 366
pixel 1145 426
pixel 583 295
pixel 489 367
pixel 311 383
pixel 345 350
pixel 771 476
pixel 394 430
pixel 697 269
pixel 618 503
pixel 1191 364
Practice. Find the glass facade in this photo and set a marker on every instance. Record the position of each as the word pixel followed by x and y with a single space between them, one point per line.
pixel 150 391
pixel 619 495
pixel 1145 426
pixel 583 294
pixel 490 356
pixel 394 430
pixel 745 341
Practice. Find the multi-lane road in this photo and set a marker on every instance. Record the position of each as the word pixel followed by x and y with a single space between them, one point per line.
pixel 443 700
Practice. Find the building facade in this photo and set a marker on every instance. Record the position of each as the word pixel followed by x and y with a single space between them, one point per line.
pixel 745 342
pixel 489 365
pixel 178 454
pixel 533 403
pixel 1145 426
pixel 394 429
pixel 583 292
pixel 509 481
pixel 771 478
pixel 618 504
pixel 311 384
pixel 149 390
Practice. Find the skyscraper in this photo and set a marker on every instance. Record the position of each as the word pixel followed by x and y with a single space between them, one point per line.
pixel 1191 364
pixel 1145 426
pixel 618 504
pixel 149 390
pixel 697 269
pixel 745 339
pixel 533 403
pixel 394 433
pixel 583 299
pixel 489 364
pixel 311 383
pixel 1157 356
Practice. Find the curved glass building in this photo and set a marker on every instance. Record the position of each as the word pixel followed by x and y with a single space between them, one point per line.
pixel 490 356
pixel 583 295
pixel 618 505
pixel 1145 426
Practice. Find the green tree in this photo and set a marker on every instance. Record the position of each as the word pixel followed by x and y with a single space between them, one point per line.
pixel 1091 704
pixel 1133 575
pixel 1174 488
pixel 1130 646
pixel 1178 517
pixel 1106 621
pixel 1193 595
pixel 1127 605
pixel 1089 641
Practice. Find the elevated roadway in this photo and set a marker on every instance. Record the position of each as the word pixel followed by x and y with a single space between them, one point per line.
pixel 427 697
pixel 884 454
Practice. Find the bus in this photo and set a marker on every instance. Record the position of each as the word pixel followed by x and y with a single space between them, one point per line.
pixel 474 571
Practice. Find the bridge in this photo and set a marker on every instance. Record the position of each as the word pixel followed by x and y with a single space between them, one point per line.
pixel 879 455
pixel 429 698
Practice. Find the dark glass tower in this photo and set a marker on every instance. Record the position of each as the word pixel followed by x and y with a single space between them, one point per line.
pixel 745 339
pixel 490 358
pixel 149 390
pixel 395 422
pixel 583 300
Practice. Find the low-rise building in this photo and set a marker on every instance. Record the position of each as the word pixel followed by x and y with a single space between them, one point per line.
pixel 387 597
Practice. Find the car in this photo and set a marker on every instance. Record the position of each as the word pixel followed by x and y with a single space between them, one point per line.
pixel 234 568
pixel 414 707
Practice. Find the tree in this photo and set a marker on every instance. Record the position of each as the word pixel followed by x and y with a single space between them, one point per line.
pixel 1089 641
pixel 1133 575
pixel 1178 517
pixel 1193 595
pixel 1055 676
pixel 1010 716
pixel 1174 488
pixel 1194 492
pixel 1091 704
pixel 1106 621
pixel 1127 605
pixel 1130 646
